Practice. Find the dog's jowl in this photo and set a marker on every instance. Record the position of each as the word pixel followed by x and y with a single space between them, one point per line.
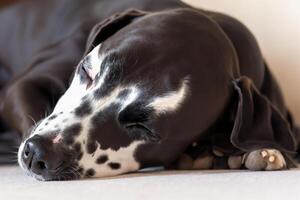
pixel 162 85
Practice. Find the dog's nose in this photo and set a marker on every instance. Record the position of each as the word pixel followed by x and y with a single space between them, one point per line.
pixel 38 156
pixel 34 159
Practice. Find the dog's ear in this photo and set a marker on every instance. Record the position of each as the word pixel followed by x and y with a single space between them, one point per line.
pixel 110 26
pixel 258 123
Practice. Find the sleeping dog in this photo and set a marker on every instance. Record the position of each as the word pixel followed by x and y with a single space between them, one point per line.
pixel 163 84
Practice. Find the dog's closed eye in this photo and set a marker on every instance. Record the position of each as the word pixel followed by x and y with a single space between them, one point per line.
pixel 140 131
pixel 137 122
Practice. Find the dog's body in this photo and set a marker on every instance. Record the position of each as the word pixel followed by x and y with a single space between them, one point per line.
pixel 151 86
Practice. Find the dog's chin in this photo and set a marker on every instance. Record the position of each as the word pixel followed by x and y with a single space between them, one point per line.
pixel 57 177
pixel 29 173
pixel 65 174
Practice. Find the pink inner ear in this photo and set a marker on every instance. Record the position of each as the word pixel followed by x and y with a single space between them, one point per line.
pixel 92 73
pixel 57 139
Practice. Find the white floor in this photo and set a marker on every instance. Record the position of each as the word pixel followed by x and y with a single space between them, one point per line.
pixel 183 185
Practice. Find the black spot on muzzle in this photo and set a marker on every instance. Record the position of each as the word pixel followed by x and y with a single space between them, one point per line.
pixel 102 159
pixel 114 165
pixel 90 172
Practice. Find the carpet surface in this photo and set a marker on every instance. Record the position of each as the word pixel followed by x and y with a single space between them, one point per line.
pixel 181 185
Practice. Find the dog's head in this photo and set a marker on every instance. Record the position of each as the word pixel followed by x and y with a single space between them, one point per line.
pixel 125 94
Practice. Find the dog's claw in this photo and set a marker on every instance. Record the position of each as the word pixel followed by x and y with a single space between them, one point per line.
pixel 264 154
pixel 272 159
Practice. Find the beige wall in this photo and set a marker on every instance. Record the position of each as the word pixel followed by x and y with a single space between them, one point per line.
pixel 276 25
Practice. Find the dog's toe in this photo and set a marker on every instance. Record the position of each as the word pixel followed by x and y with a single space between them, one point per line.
pixel 203 162
pixel 185 162
pixel 265 159
pixel 235 162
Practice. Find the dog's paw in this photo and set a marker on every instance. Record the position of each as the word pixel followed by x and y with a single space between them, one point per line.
pixel 186 162
pixel 265 159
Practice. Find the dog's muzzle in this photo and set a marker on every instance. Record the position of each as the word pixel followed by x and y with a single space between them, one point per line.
pixel 43 158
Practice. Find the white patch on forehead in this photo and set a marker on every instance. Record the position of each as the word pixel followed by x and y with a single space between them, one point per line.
pixel 171 101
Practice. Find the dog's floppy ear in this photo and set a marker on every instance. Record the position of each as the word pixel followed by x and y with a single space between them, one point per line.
pixel 258 123
pixel 110 26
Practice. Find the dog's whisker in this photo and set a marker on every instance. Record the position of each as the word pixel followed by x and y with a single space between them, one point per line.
pixel 32 119
pixel 12 152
